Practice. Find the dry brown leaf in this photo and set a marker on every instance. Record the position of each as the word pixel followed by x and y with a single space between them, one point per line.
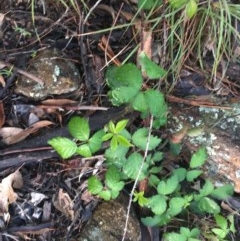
pixel 178 137
pixel 64 203
pixel 11 135
pixel 7 134
pixel 2 115
pixel 2 16
pixel 59 102
pixel 146 43
pixel 7 194
pixel 2 81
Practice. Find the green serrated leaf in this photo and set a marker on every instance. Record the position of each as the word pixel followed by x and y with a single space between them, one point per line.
pixel 139 197
pixel 191 8
pixel 125 82
pixel 180 173
pixel 159 121
pixel 140 138
pixel 156 103
pixel 221 221
pixel 114 143
pixel 117 156
pixel 123 141
pixel 151 221
pixel 84 150
pixel 207 205
pixel 220 233
pixel 95 142
pixel 232 224
pixel 132 166
pixel 157 204
pixel 151 69
pixel 113 175
pixel 157 156
pixel 114 193
pixel 198 158
pixel 194 239
pixel 112 127
pixel 153 180
pixel 113 179
pixel 121 125
pixel 169 186
pixel 207 189
pixel 192 175
pixel 176 205
pixel 185 231
pixel 79 128
pixel 107 136
pixel 94 185
pixel 105 195
pixel 195 232
pixel 125 75
pixel 139 103
pixel 155 170
pixel 64 147
pixel 223 192
pixel 174 237
pixel 122 95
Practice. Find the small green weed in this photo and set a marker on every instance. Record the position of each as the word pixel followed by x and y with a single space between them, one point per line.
pixel 6 71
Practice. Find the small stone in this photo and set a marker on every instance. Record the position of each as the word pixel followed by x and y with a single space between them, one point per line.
pixel 108 220
pixel 60 76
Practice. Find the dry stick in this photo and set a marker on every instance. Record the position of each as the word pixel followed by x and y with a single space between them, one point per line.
pixel 110 33
pixel 136 180
pixel 90 11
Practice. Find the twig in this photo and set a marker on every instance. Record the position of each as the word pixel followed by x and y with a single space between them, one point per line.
pixel 136 180
pixel 28 75
pixel 90 11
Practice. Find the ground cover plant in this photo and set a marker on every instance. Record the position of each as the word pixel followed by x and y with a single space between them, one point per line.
pixel 136 157
pixel 147 48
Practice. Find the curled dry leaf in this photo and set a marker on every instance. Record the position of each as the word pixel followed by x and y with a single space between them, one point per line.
pixel 11 135
pixel 178 137
pixel 7 194
pixel 2 16
pixel 64 204
pixel 59 102
pixel 8 133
